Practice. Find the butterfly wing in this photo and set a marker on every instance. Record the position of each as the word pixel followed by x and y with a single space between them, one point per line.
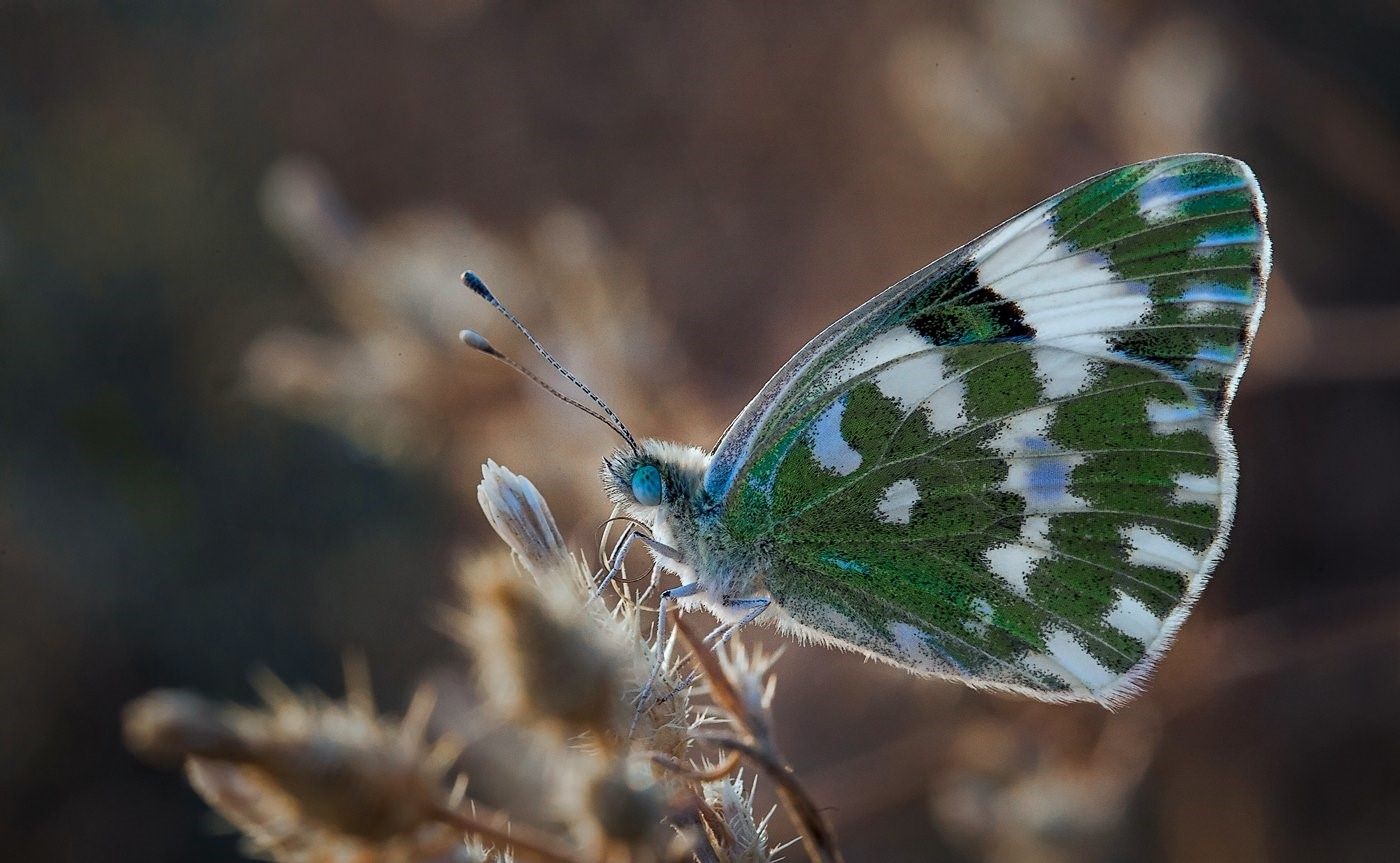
pixel 1013 467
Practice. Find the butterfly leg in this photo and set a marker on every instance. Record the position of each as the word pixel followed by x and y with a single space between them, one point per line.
pixel 667 599
pixel 722 633
pixel 617 557
pixel 623 546
pixel 756 605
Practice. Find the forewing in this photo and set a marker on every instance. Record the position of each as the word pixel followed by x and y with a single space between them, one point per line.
pixel 1013 466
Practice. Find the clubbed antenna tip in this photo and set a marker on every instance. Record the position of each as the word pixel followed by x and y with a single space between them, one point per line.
pixel 472 281
pixel 475 340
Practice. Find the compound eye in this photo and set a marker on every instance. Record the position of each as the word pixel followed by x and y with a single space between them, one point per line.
pixel 646 485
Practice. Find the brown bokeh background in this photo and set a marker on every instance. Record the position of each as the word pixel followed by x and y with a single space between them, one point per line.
pixel 236 428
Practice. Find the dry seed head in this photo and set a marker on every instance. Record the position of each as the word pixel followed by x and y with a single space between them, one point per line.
pixel 623 806
pixel 165 726
pixel 353 770
pixel 541 661
pixel 668 724
pixel 521 517
pixel 473 850
pixel 276 827
pixel 330 768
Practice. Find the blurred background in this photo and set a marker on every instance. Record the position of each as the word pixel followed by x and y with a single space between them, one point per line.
pixel 237 430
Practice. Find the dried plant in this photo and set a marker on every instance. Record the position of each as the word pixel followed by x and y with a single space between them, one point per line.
pixel 310 779
pixel 562 669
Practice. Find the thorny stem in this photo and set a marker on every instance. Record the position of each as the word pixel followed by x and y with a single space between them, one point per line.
pixel 721 687
pixel 527 843
pixel 818 837
pixel 719 771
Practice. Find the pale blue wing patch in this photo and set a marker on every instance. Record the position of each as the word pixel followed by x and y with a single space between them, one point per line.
pixel 828 446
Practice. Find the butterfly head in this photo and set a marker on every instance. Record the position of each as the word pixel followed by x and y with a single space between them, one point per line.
pixel 655 475
pixel 650 478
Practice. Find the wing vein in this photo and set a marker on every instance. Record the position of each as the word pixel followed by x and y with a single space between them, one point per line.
pixel 881 462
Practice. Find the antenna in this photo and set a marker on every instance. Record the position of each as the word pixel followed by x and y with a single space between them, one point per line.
pixel 475 340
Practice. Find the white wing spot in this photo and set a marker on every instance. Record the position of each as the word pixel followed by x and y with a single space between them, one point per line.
pixel 1013 563
pixel 1046 664
pixel 1070 655
pixel 828 446
pixel 1102 303
pixel 977 625
pixel 1149 547
pixel 1168 419
pixel 884 348
pixel 1061 372
pixel 1015 245
pixel 836 623
pixel 915 651
pixel 1194 488
pixel 897 504
pixel 1161 198
pixel 1018 431
pixel 944 407
pixel 1129 616
pixel 923 382
pixel 982 617
pixel 1044 482
pixel 909 381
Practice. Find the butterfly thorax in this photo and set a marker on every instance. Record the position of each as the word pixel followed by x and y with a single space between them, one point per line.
pixel 684 517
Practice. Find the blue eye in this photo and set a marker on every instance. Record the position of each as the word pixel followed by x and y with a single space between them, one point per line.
pixel 646 485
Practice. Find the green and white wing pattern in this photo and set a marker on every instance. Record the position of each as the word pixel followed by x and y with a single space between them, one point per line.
pixel 1013 466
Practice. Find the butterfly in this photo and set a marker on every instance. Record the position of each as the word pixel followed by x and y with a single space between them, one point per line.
pixel 1011 468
